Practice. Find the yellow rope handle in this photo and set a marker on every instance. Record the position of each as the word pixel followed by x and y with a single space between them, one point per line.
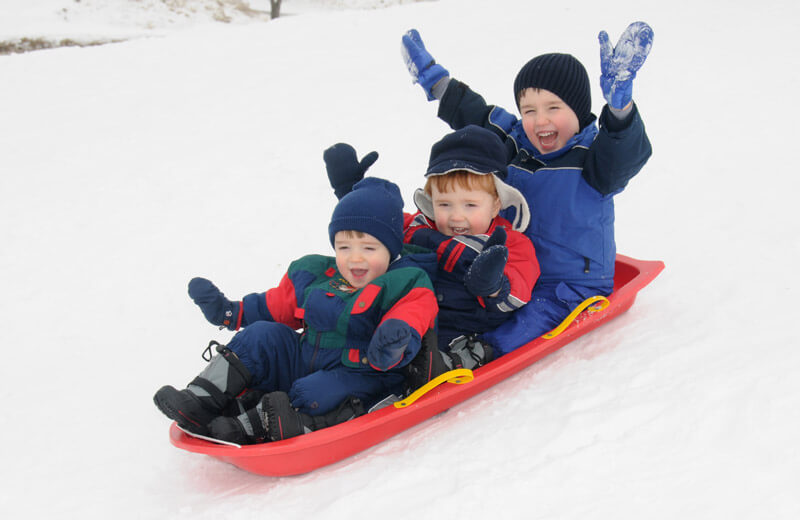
pixel 574 314
pixel 458 376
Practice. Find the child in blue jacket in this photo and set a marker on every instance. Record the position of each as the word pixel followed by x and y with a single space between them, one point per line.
pixel 567 169
pixel 361 314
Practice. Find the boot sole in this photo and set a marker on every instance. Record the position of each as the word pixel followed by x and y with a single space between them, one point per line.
pixel 170 401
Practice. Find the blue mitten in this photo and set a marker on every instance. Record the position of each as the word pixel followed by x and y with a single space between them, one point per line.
pixel 485 275
pixel 217 309
pixel 344 169
pixel 498 238
pixel 392 340
pixel 420 64
pixel 618 66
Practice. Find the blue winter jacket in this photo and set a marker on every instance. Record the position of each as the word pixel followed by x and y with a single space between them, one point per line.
pixel 569 191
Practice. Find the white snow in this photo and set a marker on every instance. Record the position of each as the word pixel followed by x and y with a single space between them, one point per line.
pixel 195 148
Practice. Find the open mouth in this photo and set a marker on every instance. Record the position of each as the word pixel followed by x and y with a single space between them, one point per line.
pixel 359 273
pixel 547 139
pixel 459 230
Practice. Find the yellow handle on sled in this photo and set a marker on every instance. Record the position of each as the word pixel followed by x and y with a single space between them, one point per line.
pixel 458 376
pixel 593 300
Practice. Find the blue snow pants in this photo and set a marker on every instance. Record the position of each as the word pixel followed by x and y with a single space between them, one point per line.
pixel 315 379
pixel 550 304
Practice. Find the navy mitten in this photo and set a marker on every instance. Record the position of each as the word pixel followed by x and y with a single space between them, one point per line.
pixel 618 66
pixel 344 168
pixel 420 64
pixel 217 309
pixel 485 275
pixel 392 340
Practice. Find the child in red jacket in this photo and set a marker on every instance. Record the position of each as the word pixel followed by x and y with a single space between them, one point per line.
pixel 486 267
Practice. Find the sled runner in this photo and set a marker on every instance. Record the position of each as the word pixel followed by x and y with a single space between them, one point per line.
pixel 319 448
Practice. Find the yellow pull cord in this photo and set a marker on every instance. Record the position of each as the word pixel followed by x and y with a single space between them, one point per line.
pixel 603 303
pixel 458 376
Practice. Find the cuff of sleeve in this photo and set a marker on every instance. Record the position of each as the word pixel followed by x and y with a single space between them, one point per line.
pixel 451 98
pixel 440 87
pixel 616 120
pixel 498 301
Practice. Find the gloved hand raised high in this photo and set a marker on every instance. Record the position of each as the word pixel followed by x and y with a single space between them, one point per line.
pixel 344 168
pixel 217 309
pixel 618 66
pixel 421 65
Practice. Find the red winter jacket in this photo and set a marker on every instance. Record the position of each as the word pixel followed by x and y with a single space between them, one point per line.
pixel 459 311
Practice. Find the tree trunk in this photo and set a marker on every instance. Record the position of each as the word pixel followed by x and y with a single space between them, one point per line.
pixel 275 8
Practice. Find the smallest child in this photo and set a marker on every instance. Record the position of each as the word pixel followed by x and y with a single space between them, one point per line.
pixel 362 315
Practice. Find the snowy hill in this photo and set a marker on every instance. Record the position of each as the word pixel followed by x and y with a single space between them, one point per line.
pixel 194 147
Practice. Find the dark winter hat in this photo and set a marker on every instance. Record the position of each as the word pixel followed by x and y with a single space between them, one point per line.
pixel 472 148
pixel 375 206
pixel 480 151
pixel 564 76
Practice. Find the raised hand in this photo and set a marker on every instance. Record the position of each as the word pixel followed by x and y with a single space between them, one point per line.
pixel 619 65
pixel 344 168
pixel 217 309
pixel 420 64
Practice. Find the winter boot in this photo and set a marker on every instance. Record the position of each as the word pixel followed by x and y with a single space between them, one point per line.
pixel 274 419
pixel 468 352
pixel 208 395
pixel 465 352
pixel 427 364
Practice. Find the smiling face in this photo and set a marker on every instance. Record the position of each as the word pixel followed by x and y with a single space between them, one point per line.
pixel 465 205
pixel 547 120
pixel 360 257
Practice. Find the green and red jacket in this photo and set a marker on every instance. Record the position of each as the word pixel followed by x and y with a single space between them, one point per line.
pixel 315 297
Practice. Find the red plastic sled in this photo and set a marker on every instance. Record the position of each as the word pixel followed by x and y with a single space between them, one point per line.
pixel 320 448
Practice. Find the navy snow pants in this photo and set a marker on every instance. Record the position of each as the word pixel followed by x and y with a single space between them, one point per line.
pixel 315 379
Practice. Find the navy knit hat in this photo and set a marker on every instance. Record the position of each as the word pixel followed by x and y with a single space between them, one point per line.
pixel 375 206
pixel 472 148
pixel 564 76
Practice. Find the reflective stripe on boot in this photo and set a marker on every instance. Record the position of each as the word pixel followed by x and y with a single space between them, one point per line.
pixel 223 379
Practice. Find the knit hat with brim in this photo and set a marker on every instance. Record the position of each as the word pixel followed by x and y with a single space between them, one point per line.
pixel 480 151
pixel 564 76
pixel 374 206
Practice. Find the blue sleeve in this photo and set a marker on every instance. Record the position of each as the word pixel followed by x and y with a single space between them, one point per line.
pixel 254 308
pixel 461 106
pixel 619 152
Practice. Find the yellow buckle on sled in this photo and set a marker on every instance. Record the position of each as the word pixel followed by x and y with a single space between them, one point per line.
pixel 597 303
pixel 458 376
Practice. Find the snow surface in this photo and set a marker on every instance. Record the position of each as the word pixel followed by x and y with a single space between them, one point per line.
pixel 195 148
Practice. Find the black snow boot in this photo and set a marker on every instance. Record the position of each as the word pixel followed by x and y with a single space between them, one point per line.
pixel 274 419
pixel 465 352
pixel 428 364
pixel 208 395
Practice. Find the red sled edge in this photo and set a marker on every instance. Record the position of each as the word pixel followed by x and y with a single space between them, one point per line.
pixel 321 448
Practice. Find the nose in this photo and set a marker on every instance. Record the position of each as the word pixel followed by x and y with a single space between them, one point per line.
pixel 356 255
pixel 456 214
